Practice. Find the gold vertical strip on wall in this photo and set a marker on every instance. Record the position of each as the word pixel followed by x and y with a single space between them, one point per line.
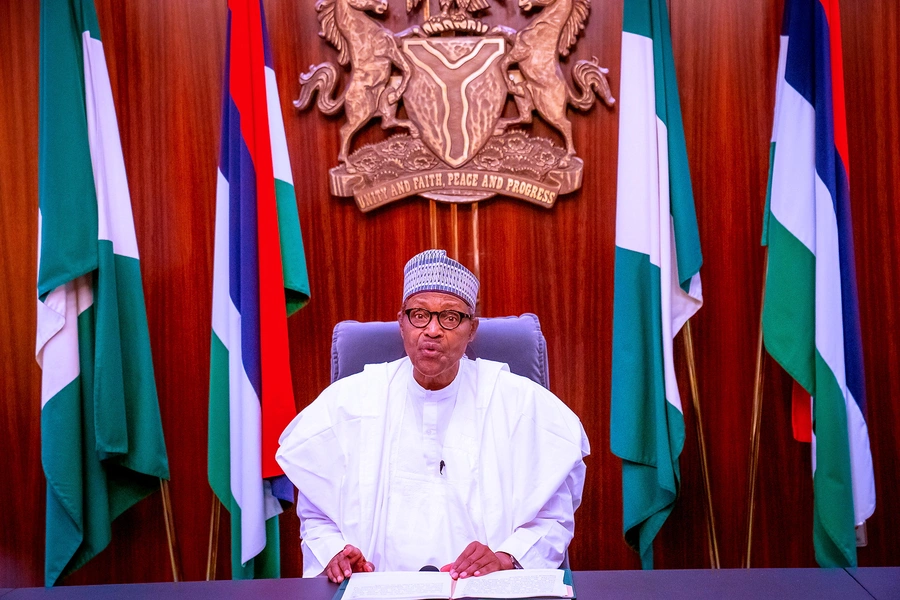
pixel 476 250
pixel 454 229
pixel 432 210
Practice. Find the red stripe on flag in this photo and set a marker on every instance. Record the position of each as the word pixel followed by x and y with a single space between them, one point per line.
pixel 833 16
pixel 248 89
pixel 801 414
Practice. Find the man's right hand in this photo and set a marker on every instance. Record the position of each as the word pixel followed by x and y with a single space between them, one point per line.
pixel 347 561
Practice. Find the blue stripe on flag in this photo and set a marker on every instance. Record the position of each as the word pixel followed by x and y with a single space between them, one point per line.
pixel 801 49
pixel 267 47
pixel 833 173
pixel 244 254
pixel 243 251
pixel 853 353
pixel 283 489
pixel 243 248
pixel 826 154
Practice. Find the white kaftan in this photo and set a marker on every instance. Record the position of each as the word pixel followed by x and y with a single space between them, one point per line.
pixel 411 477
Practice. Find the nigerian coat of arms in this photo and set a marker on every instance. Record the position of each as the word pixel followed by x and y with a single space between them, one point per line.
pixel 447 83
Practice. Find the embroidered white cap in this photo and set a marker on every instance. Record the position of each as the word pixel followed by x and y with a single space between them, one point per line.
pixel 434 271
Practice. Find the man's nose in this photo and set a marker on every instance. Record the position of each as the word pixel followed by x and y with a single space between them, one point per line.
pixel 434 329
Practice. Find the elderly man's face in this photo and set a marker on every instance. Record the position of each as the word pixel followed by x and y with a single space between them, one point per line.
pixel 435 352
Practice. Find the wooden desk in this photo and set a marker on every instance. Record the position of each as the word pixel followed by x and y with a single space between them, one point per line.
pixel 815 584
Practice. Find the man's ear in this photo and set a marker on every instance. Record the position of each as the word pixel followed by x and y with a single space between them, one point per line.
pixel 475 322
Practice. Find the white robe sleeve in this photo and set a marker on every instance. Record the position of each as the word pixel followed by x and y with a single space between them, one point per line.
pixel 542 542
pixel 544 469
pixel 312 457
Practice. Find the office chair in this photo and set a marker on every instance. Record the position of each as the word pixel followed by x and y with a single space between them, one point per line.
pixel 517 341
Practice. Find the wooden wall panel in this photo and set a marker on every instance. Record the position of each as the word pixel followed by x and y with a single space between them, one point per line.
pixel 22 495
pixel 166 58
pixel 727 119
pixel 872 81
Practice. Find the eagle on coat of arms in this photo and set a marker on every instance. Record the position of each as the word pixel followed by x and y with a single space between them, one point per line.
pixel 465 7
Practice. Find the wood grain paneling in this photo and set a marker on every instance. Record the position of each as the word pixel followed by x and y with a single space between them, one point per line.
pixel 871 33
pixel 22 496
pixel 166 58
pixel 727 120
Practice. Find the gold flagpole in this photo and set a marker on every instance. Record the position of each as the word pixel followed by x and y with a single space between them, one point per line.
pixel 756 419
pixel 169 520
pixel 704 466
pixel 212 551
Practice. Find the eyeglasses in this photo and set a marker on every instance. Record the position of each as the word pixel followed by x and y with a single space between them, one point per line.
pixel 447 319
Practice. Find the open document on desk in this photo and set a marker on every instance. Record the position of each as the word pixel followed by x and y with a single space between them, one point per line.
pixel 523 583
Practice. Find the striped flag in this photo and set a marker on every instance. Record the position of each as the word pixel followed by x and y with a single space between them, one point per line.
pixel 810 311
pixel 259 279
pixel 657 281
pixel 102 445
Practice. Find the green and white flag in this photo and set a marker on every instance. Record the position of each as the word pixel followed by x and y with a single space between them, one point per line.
pixel 102 445
pixel 657 281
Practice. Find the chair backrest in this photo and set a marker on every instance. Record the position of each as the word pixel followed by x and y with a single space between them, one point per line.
pixel 516 341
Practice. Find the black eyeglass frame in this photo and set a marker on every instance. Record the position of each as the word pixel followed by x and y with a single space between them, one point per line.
pixel 438 313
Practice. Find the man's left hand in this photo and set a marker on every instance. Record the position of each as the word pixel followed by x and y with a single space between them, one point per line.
pixel 476 560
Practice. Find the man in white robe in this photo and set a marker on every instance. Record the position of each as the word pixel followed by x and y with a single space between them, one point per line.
pixel 435 459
